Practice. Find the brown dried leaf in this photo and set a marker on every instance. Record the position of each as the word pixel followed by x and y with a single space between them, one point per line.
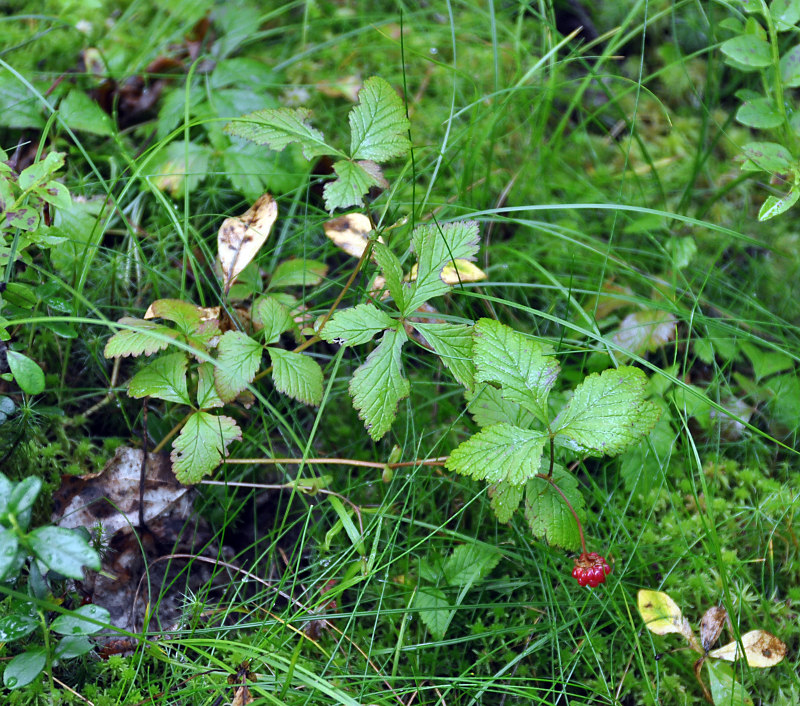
pixel 241 237
pixel 350 233
pixel 761 649
pixel 711 626
pixel 242 697
pixel 645 331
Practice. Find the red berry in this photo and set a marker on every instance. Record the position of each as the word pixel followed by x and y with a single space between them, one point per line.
pixel 590 569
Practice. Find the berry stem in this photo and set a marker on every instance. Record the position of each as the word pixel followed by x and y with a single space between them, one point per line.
pixel 550 480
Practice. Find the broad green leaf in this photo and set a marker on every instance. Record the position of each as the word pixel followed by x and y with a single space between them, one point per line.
pixel 73 646
pixel 56 193
pixel 769 156
pixel 147 337
pixel 186 316
pixel 759 113
pixel 453 344
pixel 81 113
pixel 353 181
pixel 24 218
pixel 297 375
pixel 790 67
pixel 27 373
pixel 761 649
pixel 662 615
pixel 201 444
pixel 766 363
pixel 437 247
pixel 500 453
pixel 297 273
pixel 607 413
pixel 238 361
pixel 9 544
pixel 23 495
pixel 279 127
pixel 378 385
pixel 748 51
pixel 378 123
pixel 548 515
pixel 392 272
pixel 776 205
pixel 356 325
pixel 207 397
pixel 76 623
pixel 488 406
pixel 24 668
pixel 13 627
pixel 516 363
pixel 724 689
pixel 63 550
pixel 434 610
pixel 164 378
pixel 41 171
pixel 470 563
pixel 272 317
pixel 786 13
pixel 505 499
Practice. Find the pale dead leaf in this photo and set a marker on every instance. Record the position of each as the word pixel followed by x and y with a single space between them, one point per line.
pixel 456 272
pixel 662 615
pixel 347 87
pixel 241 237
pixel 711 626
pixel 760 648
pixel 645 331
pixel 350 233
pixel 242 697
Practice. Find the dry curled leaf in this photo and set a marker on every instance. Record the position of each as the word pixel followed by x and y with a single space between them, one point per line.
pixel 241 237
pixel 350 233
pixel 761 649
pixel 711 626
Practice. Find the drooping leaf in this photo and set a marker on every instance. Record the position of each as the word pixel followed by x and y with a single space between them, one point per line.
pixel 146 338
pixel 207 397
pixel 505 499
pixel 356 325
pixel 725 690
pixel 279 127
pixel 662 615
pixel 296 375
pixel 378 123
pixel 515 362
pixel 298 273
pixel 453 344
pixel 271 317
pixel 201 445
pixel 348 189
pixel 470 563
pixel 437 247
pixel 548 515
pixel 500 453
pixel 164 378
pixel 607 413
pixel 761 649
pixel 748 51
pixel 238 361
pixel 434 610
pixel 461 271
pixel 63 550
pixel 27 373
pixel 378 385
pixel 24 668
pixel 76 623
pixel 241 237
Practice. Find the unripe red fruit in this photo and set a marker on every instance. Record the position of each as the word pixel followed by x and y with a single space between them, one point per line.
pixel 590 569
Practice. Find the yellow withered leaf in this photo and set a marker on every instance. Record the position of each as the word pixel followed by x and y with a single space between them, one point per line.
pixel 456 272
pixel 661 614
pixel 760 648
pixel 350 233
pixel 241 237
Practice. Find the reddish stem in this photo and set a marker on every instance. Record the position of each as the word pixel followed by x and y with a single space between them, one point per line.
pixel 550 480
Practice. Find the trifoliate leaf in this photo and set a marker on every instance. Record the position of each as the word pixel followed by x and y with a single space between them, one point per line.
pixel 645 331
pixel 378 124
pixel 505 499
pixel 453 344
pixel 378 385
pixel 724 688
pixel 238 360
pixel 271 317
pixel 434 610
pixel 500 453
pixel 470 563
pixel 164 378
pixel 241 237
pixel 662 615
pixel 207 397
pixel 146 338
pixel 607 413
pixel 201 444
pixel 356 325
pixel 488 406
pixel 515 362
pixel 296 375
pixel 761 649
pixel 436 247
pixel 392 272
pixel 280 127
pixel 349 188
pixel 548 515
pixel 298 273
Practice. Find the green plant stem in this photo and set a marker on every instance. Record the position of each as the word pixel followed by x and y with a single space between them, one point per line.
pixel 550 480
pixel 776 67
pixel 439 461
pixel 161 444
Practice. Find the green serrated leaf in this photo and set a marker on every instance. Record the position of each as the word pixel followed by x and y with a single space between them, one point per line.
pixel 607 413
pixel 488 406
pixel 453 344
pixel 238 361
pixel 434 610
pixel 548 515
pixel 272 317
pixel 470 563
pixel 164 378
pixel 776 205
pixel 185 315
pixel 279 127
pixel 378 124
pixel 207 397
pixel 392 272
pixel 515 362
pixel 500 453
pixel 296 375
pixel 378 385
pixel 27 373
pixel 353 181
pixel 63 550
pixel 146 338
pixel 748 51
pixel 436 247
pixel 356 325
pixel 298 273
pixel 505 499
pixel 201 445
